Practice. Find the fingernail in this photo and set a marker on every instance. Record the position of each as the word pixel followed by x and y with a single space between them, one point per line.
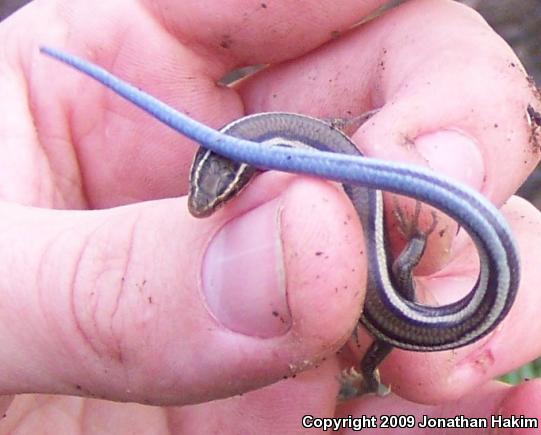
pixel 244 275
pixel 453 154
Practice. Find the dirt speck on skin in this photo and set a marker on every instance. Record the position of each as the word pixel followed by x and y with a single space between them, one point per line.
pixel 534 122
pixel 535 89
pixel 335 34
pixel 226 41
pixel 535 116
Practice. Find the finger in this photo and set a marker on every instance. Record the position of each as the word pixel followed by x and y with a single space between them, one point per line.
pixel 95 150
pixel 259 32
pixel 145 303
pixel 278 408
pixel 491 407
pixel 453 101
pixel 443 376
pixel 411 83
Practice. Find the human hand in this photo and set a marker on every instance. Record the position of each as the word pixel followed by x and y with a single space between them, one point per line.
pixel 107 304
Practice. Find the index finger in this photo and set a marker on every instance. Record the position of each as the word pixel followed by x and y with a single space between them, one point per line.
pixel 175 50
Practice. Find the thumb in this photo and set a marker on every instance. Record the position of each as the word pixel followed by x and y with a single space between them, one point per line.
pixel 145 303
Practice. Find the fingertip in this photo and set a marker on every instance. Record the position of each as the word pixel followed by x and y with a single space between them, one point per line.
pixel 325 257
pixel 298 254
pixel 323 281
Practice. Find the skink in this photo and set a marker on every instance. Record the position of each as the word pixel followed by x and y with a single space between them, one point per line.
pixel 390 314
